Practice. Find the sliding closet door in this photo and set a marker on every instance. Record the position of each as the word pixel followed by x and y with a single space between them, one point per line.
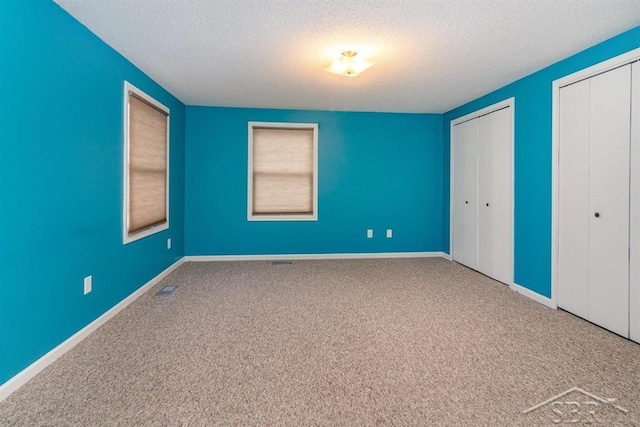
pixel 573 206
pixel 500 205
pixel 634 253
pixel 609 199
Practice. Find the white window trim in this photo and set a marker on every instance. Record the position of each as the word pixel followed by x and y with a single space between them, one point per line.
pixel 126 238
pixel 282 217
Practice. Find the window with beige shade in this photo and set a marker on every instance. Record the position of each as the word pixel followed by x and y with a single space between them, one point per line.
pixel 283 178
pixel 146 162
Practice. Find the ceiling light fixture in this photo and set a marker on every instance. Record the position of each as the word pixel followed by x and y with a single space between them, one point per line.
pixel 349 64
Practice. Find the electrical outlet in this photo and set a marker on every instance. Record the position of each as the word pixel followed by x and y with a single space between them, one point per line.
pixel 87 284
pixel 369 234
pixel 169 243
pixel 389 233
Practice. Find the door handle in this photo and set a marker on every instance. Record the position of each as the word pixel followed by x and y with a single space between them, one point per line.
pixel 597 214
pixel 487 204
pixel 466 202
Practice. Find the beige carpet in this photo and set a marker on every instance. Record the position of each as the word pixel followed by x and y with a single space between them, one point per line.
pixel 361 342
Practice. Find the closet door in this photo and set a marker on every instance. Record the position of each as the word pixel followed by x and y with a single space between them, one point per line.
pixel 593 212
pixel 634 252
pixel 471 194
pixel 609 130
pixel 485 193
pixel 459 134
pixel 500 206
pixel 482 194
pixel 465 193
pixel 494 195
pixel 573 205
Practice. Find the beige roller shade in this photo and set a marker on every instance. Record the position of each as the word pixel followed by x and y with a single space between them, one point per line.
pixel 147 165
pixel 282 171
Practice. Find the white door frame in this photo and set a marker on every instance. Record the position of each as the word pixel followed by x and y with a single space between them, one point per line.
pixel 510 102
pixel 615 62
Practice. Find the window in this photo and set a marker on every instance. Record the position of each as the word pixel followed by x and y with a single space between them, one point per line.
pixel 283 172
pixel 146 164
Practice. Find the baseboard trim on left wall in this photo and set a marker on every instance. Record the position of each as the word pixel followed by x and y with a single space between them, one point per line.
pixel 36 367
pixel 534 295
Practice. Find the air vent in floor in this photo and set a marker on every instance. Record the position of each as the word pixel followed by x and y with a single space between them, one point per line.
pixel 167 290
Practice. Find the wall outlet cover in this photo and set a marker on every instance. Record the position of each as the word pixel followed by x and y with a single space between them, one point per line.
pixel 88 284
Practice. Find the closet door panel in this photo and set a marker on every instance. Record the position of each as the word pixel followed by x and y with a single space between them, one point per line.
pixel 573 204
pixel 482 168
pixel 471 196
pixel 486 135
pixel 609 200
pixel 634 253
pixel 459 136
pixel 500 205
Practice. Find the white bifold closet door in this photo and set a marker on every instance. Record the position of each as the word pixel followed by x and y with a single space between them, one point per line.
pixel 465 246
pixel 459 198
pixel 634 250
pixel 482 191
pixel 494 195
pixel 594 189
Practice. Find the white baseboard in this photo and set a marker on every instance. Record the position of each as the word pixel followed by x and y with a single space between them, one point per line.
pixel 534 295
pixel 446 256
pixel 205 258
pixel 36 367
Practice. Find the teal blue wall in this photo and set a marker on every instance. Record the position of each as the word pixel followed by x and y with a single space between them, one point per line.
pixel 376 171
pixel 61 150
pixel 533 157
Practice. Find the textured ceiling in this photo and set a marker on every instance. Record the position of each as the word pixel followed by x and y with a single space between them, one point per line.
pixel 432 55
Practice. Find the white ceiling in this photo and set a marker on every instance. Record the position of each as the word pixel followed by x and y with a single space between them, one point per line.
pixel 432 55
